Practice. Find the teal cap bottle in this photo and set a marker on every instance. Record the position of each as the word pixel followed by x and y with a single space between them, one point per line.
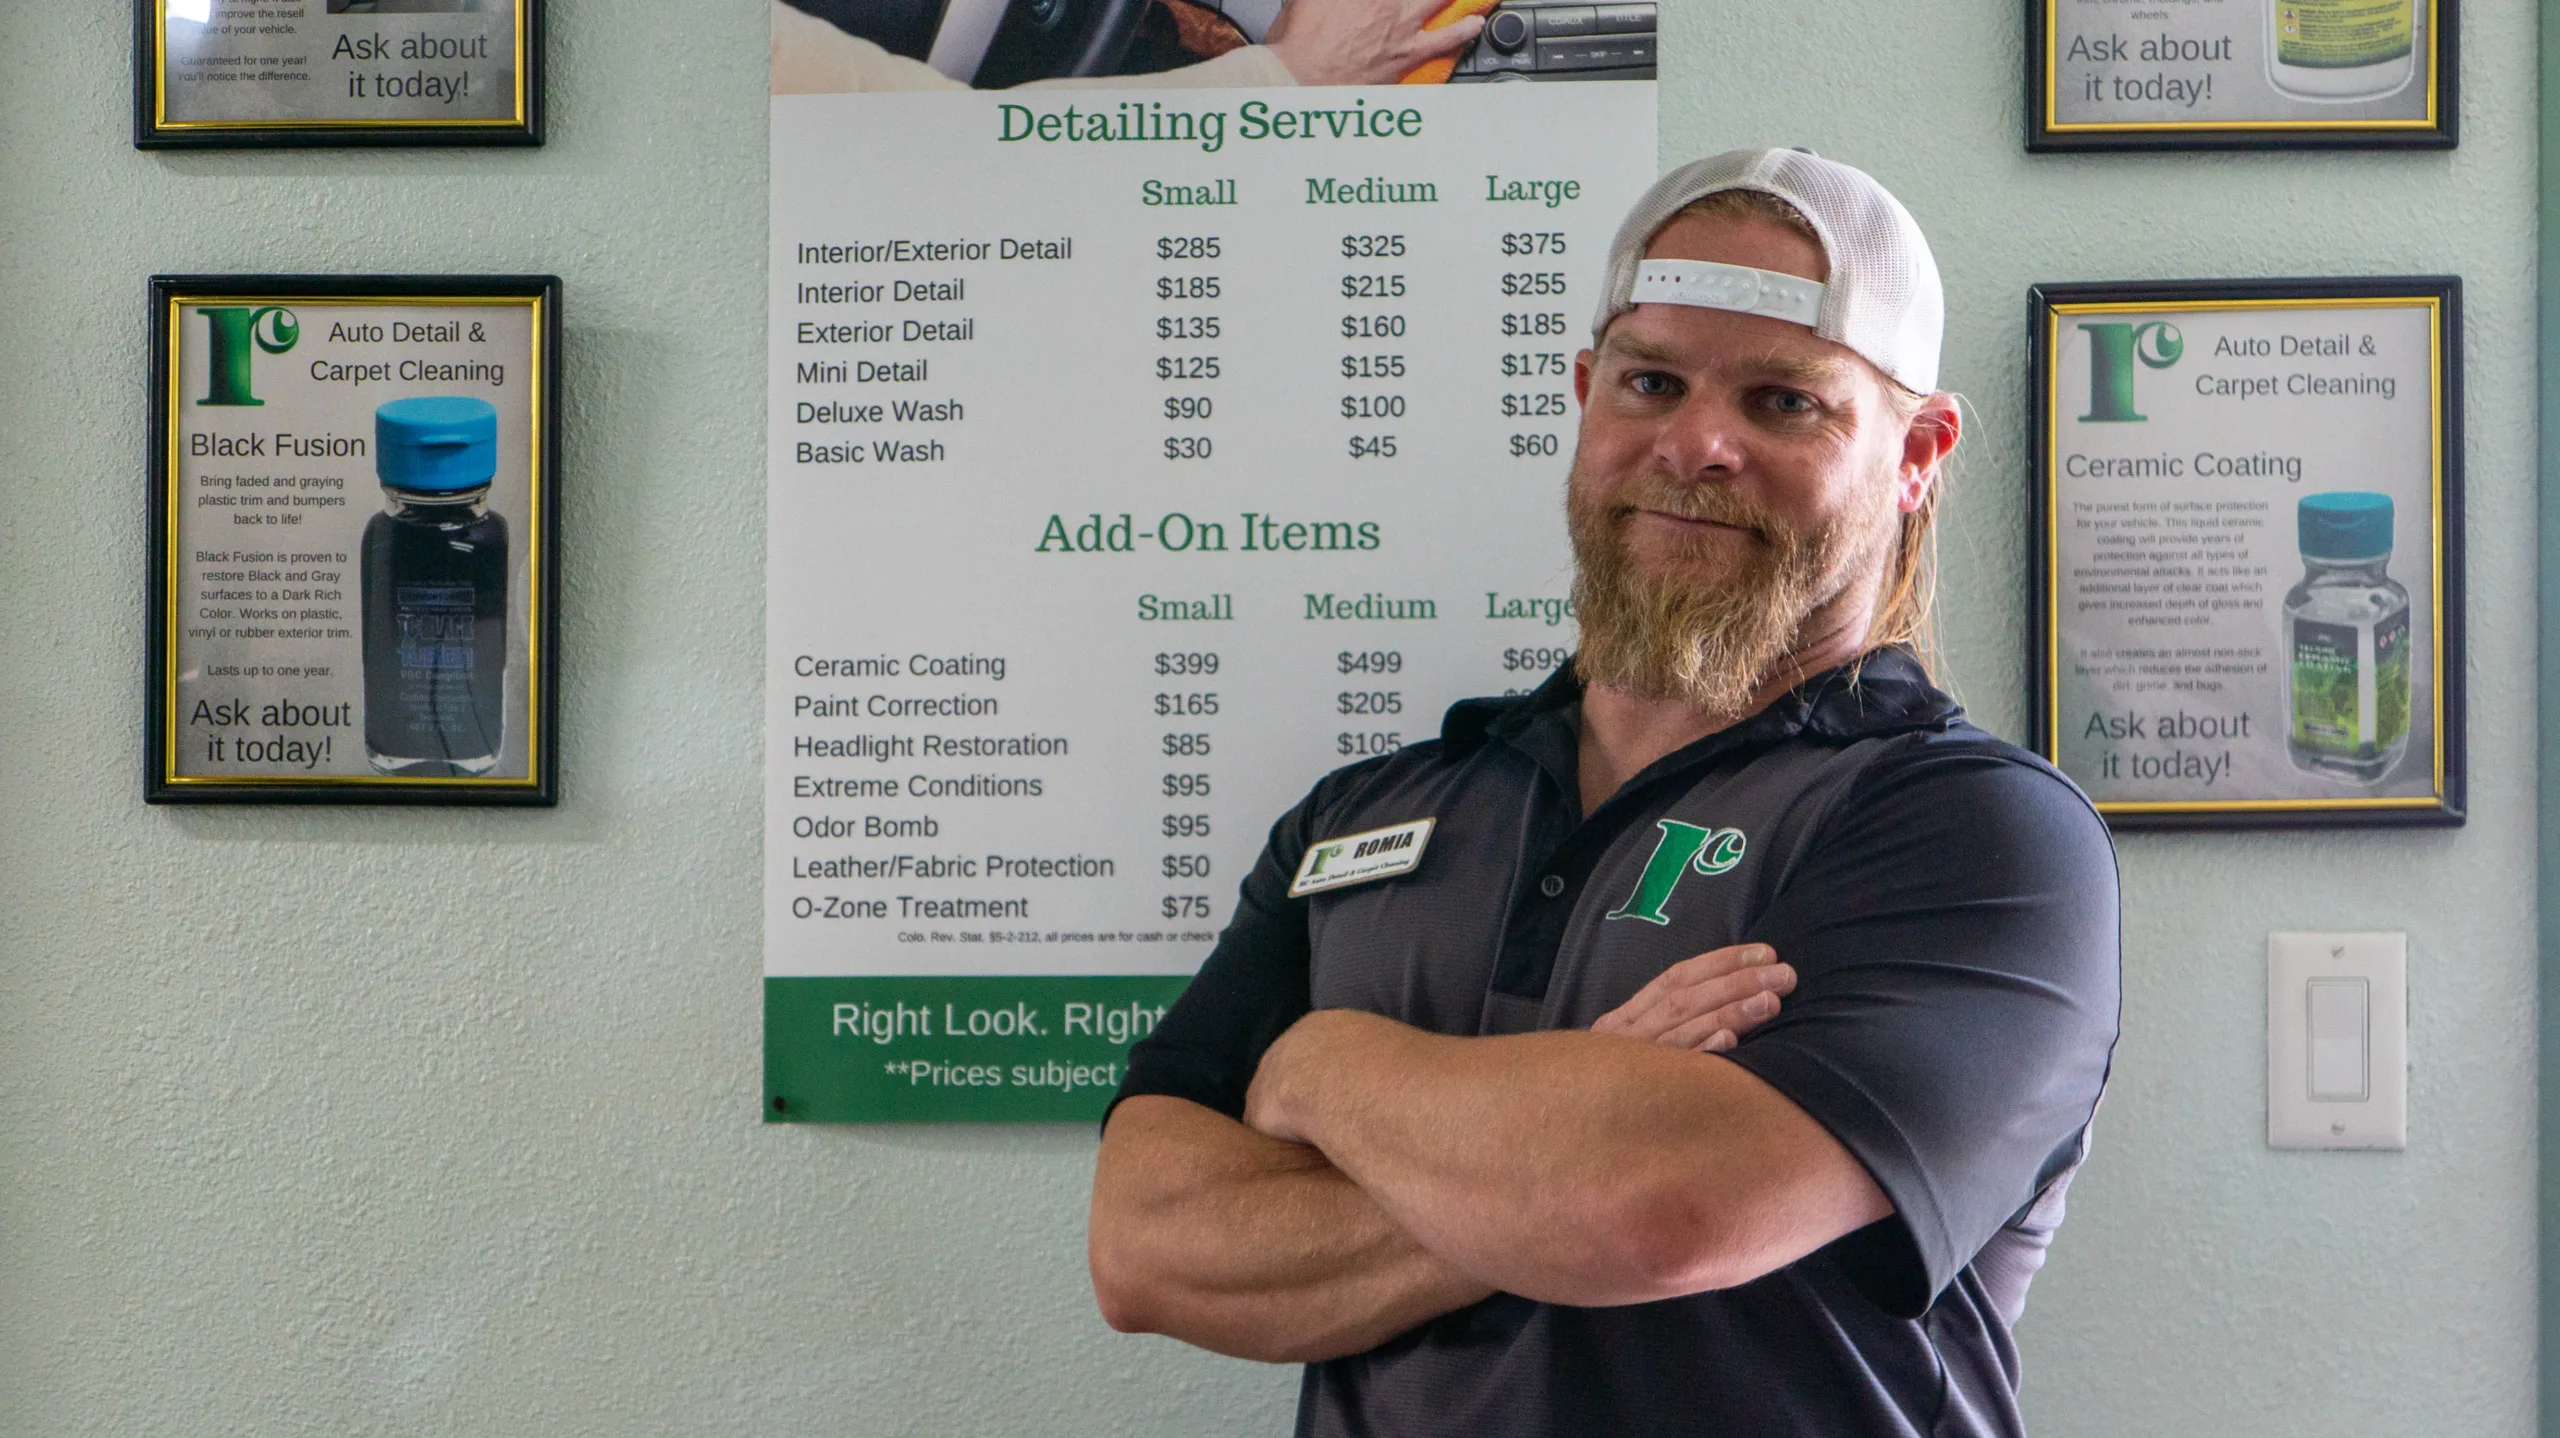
pixel 2350 652
pixel 2345 526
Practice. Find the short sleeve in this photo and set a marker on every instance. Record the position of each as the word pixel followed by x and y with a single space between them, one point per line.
pixel 1953 926
pixel 1253 986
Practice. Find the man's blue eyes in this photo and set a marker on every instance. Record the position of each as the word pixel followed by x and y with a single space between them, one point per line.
pixel 1786 402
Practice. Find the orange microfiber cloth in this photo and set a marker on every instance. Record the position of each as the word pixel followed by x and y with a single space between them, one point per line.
pixel 1437 72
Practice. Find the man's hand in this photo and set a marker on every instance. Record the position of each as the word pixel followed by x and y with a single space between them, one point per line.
pixel 1705 1003
pixel 1363 42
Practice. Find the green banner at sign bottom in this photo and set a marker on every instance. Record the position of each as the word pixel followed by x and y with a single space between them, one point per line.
pixel 953 1050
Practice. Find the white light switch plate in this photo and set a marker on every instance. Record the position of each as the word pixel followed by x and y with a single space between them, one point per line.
pixel 2337 1041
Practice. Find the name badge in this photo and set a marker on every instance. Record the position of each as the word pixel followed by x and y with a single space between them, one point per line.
pixel 1360 858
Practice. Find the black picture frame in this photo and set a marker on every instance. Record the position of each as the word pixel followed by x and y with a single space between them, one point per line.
pixel 164 782
pixel 2048 134
pixel 2047 306
pixel 153 131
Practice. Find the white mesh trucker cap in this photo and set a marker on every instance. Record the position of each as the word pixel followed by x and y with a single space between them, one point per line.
pixel 1882 300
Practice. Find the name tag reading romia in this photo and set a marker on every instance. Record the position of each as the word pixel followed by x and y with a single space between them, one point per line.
pixel 1359 858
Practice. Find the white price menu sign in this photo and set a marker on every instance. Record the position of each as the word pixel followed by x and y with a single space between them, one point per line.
pixel 1136 458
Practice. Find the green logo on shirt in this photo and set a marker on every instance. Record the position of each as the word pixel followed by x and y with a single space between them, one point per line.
pixel 1681 848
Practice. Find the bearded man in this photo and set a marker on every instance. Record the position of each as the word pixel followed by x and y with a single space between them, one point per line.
pixel 1715 1058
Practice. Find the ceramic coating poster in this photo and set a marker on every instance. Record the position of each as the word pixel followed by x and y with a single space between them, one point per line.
pixel 2250 523
pixel 1137 457
pixel 2271 67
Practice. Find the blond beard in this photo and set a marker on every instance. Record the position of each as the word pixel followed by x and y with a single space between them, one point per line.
pixel 1702 630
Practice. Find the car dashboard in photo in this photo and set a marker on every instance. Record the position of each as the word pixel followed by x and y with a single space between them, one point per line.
pixel 1525 39
pixel 1545 40
pixel 995 44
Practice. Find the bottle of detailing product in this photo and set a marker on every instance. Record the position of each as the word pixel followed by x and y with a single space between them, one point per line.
pixel 2346 631
pixel 2341 50
pixel 435 592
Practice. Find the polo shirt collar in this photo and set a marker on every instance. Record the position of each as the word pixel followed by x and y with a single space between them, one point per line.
pixel 1885 692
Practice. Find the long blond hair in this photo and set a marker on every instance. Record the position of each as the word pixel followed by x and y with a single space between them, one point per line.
pixel 1907 609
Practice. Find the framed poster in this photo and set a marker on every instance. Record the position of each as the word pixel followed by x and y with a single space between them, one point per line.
pixel 2242 75
pixel 2247 527
pixel 259 73
pixel 355 539
pixel 1207 440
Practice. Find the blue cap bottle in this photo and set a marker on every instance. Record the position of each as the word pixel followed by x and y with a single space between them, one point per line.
pixel 435 592
pixel 436 444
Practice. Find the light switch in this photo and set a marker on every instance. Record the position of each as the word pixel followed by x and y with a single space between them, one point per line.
pixel 2338 1048
pixel 2337 1041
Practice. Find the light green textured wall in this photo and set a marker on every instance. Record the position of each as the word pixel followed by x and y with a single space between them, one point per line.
pixel 2205 1284
pixel 339 1123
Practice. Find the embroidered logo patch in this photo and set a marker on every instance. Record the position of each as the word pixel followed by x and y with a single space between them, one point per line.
pixel 1682 849
pixel 1359 858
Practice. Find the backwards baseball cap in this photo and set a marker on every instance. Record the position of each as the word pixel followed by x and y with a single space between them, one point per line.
pixel 1882 298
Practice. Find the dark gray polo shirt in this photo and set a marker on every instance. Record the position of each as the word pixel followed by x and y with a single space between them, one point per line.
pixel 1949 903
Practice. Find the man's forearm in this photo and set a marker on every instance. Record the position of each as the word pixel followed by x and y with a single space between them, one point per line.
pixel 1206 1231
pixel 1567 1167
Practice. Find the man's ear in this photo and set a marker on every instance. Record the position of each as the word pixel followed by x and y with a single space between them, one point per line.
pixel 1582 364
pixel 1926 443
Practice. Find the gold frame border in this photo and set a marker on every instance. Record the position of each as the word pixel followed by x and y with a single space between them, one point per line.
pixel 537 475
pixel 2052 596
pixel 519 119
pixel 2054 125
